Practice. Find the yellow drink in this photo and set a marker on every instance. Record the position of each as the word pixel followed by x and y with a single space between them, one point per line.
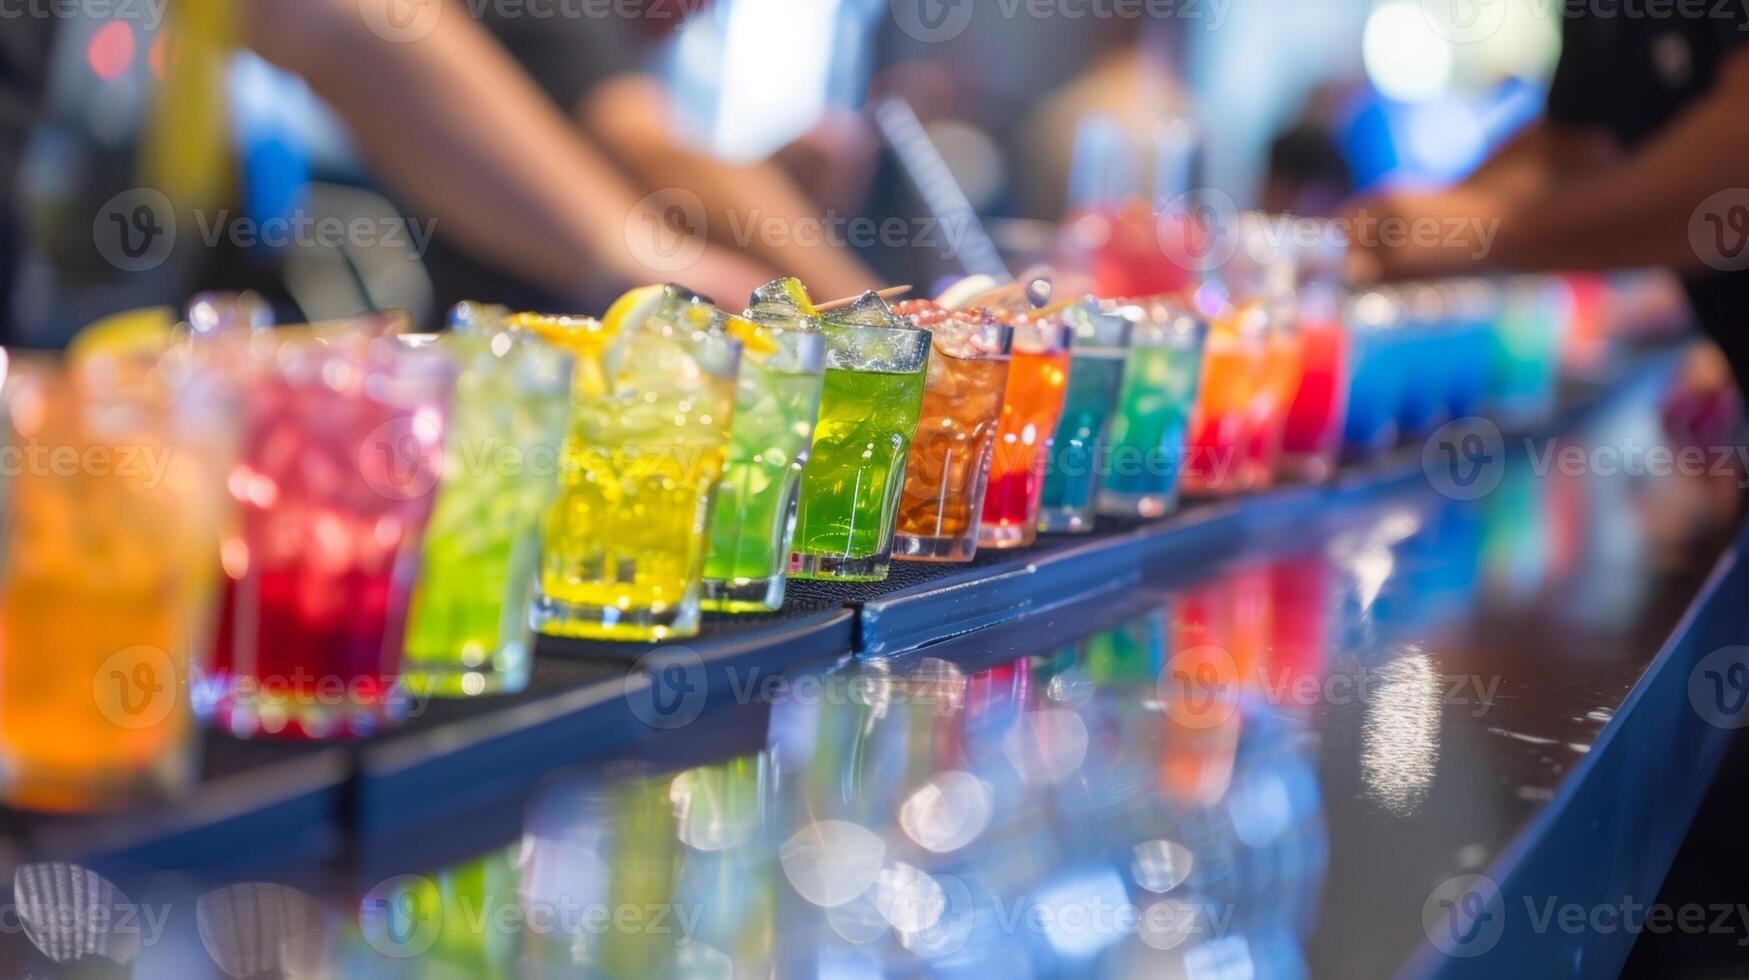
pixel 624 541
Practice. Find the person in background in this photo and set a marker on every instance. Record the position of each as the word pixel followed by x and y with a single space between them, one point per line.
pixel 1640 159
pixel 458 131
pixel 593 69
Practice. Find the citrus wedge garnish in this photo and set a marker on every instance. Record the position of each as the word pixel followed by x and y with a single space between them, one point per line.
pixel 756 341
pixel 589 340
pixel 144 333
pixel 633 308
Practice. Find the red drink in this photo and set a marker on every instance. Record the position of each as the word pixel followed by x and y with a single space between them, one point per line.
pixel 334 483
pixel 1313 428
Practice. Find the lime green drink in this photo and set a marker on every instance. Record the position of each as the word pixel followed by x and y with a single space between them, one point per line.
pixel 776 401
pixel 467 629
pixel 868 415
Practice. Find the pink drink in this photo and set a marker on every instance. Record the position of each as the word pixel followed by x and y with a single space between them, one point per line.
pixel 334 483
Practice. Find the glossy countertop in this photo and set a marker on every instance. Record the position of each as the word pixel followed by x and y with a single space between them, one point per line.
pixel 1288 763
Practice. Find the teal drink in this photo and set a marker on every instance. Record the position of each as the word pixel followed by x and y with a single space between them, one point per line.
pixel 776 401
pixel 1154 408
pixel 1096 370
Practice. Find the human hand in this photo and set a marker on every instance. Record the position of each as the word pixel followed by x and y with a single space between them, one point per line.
pixel 1397 236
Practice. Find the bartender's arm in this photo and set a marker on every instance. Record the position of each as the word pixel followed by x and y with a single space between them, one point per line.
pixel 453 126
pixel 1559 198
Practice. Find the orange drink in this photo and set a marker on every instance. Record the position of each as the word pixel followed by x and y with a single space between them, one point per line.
pixel 1038 376
pixel 111 568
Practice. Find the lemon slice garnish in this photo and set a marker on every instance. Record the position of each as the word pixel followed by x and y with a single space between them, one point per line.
pixel 142 333
pixel 756 341
pixel 633 308
pixel 587 338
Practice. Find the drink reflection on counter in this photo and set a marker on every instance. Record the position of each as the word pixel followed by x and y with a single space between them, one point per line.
pixel 917 818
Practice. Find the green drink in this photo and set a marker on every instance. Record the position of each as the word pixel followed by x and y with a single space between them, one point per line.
pixel 1154 407
pixel 467 630
pixel 776 402
pixel 1096 370
pixel 868 415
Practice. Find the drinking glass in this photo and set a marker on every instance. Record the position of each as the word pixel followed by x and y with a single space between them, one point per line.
pixel 1157 396
pixel 949 465
pixel 114 505
pixel 1312 430
pixel 776 403
pixel 623 543
pixel 869 408
pixel 343 436
pixel 1235 367
pixel 1038 379
pixel 1077 456
pixel 467 631
pixel 1373 320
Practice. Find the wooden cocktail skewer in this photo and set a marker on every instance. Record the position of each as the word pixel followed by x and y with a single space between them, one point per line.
pixel 889 293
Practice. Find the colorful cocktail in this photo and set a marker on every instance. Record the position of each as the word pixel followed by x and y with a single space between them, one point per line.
pixel 1373 321
pixel 1038 378
pixel 623 544
pixel 1312 431
pixel 875 369
pixel 1154 406
pixel 468 630
pixel 949 465
pixel 342 438
pixel 1077 456
pixel 1235 370
pixel 776 403
pixel 113 511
